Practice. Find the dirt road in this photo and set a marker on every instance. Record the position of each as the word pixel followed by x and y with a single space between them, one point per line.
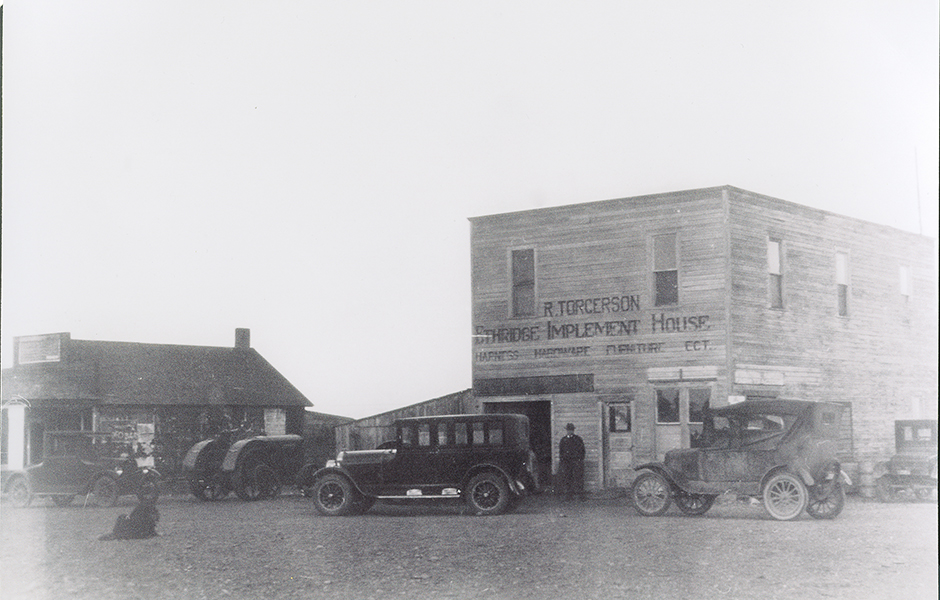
pixel 547 549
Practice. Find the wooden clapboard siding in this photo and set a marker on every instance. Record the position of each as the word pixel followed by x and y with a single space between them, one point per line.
pixel 880 357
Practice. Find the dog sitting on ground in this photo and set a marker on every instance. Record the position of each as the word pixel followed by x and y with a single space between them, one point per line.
pixel 140 524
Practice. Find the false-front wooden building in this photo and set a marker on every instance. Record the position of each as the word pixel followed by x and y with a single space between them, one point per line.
pixel 629 317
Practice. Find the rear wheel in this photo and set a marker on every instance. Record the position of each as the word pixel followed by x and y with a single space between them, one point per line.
pixel 830 506
pixel 62 500
pixel 104 491
pixel 694 504
pixel 785 496
pixel 19 492
pixel 651 494
pixel 488 494
pixel 333 495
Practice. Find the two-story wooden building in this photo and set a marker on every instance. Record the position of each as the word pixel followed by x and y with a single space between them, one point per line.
pixel 629 317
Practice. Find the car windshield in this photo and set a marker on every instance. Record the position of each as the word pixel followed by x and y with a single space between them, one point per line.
pixel 737 430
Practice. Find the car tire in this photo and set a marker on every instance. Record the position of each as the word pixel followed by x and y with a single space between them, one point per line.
pixel 694 504
pixel 104 491
pixel 488 494
pixel 333 495
pixel 650 494
pixel 61 500
pixel 828 508
pixel 785 496
pixel 20 493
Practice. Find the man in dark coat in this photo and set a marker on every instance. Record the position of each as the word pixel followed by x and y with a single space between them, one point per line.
pixel 571 464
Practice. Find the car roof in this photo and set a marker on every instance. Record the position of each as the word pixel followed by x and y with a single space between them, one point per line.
pixel 784 406
pixel 491 416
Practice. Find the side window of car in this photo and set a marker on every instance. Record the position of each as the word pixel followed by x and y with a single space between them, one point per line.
pixel 495 435
pixel 408 435
pixel 477 433
pixel 460 434
pixel 424 434
pixel 442 431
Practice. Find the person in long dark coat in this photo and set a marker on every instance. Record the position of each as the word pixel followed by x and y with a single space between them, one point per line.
pixel 571 464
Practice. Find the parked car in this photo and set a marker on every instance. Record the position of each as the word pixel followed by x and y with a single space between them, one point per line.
pixel 781 451
pixel 485 460
pixel 911 474
pixel 255 467
pixel 77 463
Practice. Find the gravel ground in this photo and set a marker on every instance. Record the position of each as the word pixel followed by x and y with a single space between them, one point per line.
pixel 547 549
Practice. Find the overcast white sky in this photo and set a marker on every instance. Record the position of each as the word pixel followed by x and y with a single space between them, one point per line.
pixel 173 170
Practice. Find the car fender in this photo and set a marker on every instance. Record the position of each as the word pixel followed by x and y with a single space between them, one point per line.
pixel 192 456
pixel 659 468
pixel 516 487
pixel 236 450
pixel 337 470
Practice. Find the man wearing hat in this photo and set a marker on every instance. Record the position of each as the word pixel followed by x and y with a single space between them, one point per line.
pixel 571 464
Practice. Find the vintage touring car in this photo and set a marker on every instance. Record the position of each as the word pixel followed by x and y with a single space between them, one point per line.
pixel 781 451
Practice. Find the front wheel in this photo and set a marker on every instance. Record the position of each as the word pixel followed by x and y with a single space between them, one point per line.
pixel 651 494
pixel 104 491
pixel 333 495
pixel 694 504
pixel 830 506
pixel 488 494
pixel 785 496
pixel 19 492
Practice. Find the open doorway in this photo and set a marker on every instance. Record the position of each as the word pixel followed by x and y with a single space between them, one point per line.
pixel 540 430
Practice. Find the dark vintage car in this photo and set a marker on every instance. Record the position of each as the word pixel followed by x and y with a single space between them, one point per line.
pixel 78 463
pixel 911 474
pixel 485 460
pixel 255 467
pixel 781 451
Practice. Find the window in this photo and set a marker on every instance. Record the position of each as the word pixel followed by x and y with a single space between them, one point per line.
pixel 667 405
pixel 523 283
pixel 460 434
pixel 408 435
pixel 842 282
pixel 620 420
pixel 665 270
pixel 477 433
pixel 698 404
pixel 495 434
pixel 424 434
pixel 775 273
pixel 904 281
pixel 442 434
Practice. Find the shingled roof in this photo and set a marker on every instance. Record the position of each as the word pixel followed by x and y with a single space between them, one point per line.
pixel 154 374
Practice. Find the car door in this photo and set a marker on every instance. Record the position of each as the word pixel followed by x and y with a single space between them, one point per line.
pixel 417 461
pixel 745 448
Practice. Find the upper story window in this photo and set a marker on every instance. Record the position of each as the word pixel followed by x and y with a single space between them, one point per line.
pixel 842 282
pixel 665 270
pixel 523 283
pixel 904 281
pixel 775 273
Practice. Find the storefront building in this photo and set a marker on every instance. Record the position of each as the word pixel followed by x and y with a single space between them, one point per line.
pixel 629 317
pixel 156 400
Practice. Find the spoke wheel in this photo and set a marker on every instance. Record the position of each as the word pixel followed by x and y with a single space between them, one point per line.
pixel 62 500
pixel 650 494
pixel 830 506
pixel 785 496
pixel 19 492
pixel 333 495
pixel 488 494
pixel 694 504
pixel 104 491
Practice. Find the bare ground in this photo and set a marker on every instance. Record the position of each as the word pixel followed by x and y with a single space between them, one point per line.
pixel 547 549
